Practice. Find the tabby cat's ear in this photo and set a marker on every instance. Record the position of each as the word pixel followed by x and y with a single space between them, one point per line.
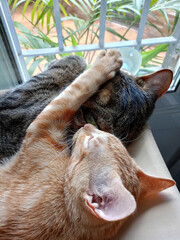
pixel 152 185
pixel 113 203
pixel 159 81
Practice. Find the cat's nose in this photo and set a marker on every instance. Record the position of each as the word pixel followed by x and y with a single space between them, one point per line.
pixel 89 127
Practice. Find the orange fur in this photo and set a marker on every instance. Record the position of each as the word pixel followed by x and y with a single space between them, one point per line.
pixel 44 189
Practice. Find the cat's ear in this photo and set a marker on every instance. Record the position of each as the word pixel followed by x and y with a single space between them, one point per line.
pixel 159 81
pixel 114 202
pixel 152 185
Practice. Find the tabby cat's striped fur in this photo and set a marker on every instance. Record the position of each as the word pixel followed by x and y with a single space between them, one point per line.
pixel 121 106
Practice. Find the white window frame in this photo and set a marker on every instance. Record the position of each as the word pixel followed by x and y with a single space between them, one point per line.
pixel 19 54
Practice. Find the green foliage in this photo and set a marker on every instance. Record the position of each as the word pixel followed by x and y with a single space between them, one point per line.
pixel 129 11
pixel 149 55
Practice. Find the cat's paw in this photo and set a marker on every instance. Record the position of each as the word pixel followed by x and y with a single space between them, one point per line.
pixel 108 63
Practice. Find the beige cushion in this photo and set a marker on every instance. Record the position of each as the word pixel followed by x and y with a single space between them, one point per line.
pixel 157 218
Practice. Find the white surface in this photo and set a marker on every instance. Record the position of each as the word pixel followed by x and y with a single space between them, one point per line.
pixel 157 218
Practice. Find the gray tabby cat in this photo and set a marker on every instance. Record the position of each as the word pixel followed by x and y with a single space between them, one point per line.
pixel 121 106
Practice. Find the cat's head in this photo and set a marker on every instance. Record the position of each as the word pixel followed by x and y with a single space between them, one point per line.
pixel 106 181
pixel 123 105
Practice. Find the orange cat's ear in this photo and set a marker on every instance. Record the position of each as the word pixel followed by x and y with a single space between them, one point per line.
pixel 151 185
pixel 159 81
pixel 111 203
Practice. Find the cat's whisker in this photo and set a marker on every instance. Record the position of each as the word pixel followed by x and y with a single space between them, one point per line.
pixel 71 132
pixel 135 139
pixel 122 139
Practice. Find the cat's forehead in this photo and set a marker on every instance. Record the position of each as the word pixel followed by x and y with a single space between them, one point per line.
pixel 120 82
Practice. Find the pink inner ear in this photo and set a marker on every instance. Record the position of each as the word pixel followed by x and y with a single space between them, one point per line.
pixel 115 203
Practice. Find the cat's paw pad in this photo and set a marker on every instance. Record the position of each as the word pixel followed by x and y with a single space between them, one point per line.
pixel 108 63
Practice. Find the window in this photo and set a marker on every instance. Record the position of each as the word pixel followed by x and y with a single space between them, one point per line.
pixel 9 76
pixel 168 42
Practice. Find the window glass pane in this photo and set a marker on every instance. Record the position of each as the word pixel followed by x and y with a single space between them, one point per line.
pixel 152 57
pixel 121 21
pixel 81 26
pixel 36 65
pixel 161 22
pixel 34 24
pixel 9 76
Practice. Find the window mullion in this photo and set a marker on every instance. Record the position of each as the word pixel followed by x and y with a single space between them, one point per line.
pixel 57 16
pixel 102 23
pixel 172 46
pixel 142 23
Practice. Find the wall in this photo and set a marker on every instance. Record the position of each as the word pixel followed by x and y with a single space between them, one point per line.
pixel 165 126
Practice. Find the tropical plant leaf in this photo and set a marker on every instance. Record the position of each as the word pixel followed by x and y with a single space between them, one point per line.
pixel 88 3
pixel 175 21
pixel 74 42
pixel 48 19
pixel 63 10
pixel 25 6
pixel 65 54
pixel 34 65
pixel 115 33
pixel 28 60
pixel 154 26
pixel 173 4
pixel 24 41
pixel 36 5
pixel 164 14
pixel 129 8
pixel 149 55
pixel 15 3
pixel 10 2
pixel 129 11
pixel 153 2
pixel 81 6
pixel 34 41
pixel 80 54
pixel 48 6
pixel 72 18
pixel 40 9
pixel 138 4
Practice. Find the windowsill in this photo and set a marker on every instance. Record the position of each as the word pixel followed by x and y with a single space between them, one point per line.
pixel 159 217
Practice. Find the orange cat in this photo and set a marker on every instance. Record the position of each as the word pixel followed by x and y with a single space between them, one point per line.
pixel 48 193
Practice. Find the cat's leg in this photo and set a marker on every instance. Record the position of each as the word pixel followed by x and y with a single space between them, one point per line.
pixel 46 84
pixel 60 111
pixel 22 104
pixel 46 138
